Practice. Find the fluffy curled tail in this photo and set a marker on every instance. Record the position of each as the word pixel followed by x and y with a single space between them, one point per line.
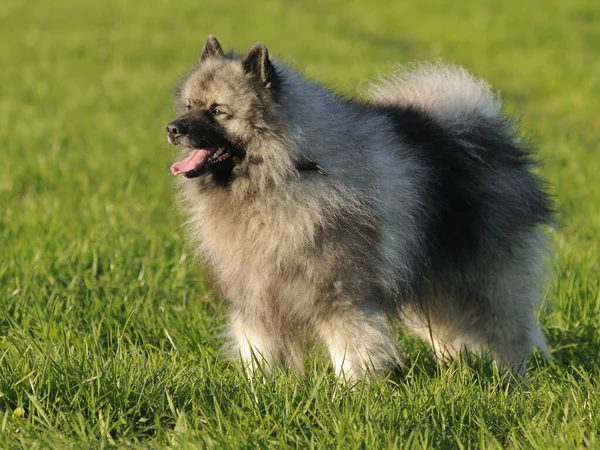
pixel 449 94
pixel 470 112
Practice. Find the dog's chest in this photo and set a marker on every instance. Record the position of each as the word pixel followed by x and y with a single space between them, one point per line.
pixel 251 250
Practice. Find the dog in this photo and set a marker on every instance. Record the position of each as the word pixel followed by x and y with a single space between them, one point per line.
pixel 322 217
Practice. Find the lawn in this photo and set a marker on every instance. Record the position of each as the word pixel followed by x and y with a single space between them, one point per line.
pixel 110 332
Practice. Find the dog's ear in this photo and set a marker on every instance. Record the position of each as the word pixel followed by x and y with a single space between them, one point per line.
pixel 257 63
pixel 212 49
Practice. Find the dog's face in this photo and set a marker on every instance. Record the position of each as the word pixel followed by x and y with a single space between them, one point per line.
pixel 225 104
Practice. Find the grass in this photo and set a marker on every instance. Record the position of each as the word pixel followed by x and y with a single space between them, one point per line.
pixel 109 332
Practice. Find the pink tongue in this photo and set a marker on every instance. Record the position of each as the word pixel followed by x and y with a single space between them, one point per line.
pixel 194 161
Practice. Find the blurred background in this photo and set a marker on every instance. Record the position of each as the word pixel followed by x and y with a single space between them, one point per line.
pixel 90 233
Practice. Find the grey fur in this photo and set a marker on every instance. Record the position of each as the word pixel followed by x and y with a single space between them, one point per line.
pixel 428 213
pixel 212 49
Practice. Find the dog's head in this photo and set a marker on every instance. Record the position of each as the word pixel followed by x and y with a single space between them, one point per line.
pixel 227 106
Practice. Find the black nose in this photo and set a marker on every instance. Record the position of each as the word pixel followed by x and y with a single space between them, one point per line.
pixel 176 128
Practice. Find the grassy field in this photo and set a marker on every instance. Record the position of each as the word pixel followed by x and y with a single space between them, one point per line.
pixel 109 333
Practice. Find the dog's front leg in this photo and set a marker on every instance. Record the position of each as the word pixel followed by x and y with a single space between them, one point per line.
pixel 254 343
pixel 359 342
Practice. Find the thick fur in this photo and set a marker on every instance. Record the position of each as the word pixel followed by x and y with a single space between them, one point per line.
pixel 424 210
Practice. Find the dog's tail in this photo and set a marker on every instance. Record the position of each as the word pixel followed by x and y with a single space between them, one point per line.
pixel 470 112
pixel 454 98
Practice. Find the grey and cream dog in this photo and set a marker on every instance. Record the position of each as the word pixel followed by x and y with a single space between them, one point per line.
pixel 329 218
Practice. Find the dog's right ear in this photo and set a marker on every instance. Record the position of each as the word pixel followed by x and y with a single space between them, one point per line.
pixel 212 49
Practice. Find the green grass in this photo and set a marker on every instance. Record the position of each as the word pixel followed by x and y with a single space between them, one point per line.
pixel 109 332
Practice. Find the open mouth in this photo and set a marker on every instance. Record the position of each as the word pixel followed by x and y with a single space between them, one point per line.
pixel 200 161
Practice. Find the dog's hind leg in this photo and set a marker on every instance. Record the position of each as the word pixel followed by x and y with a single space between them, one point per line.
pixel 512 335
pixel 509 327
pixel 360 341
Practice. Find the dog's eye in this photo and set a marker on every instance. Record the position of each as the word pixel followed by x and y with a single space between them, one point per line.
pixel 188 107
pixel 216 112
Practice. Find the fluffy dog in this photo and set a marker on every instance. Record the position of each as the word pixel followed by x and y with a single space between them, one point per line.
pixel 321 216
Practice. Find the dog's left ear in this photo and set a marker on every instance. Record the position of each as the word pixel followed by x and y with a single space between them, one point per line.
pixel 257 63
